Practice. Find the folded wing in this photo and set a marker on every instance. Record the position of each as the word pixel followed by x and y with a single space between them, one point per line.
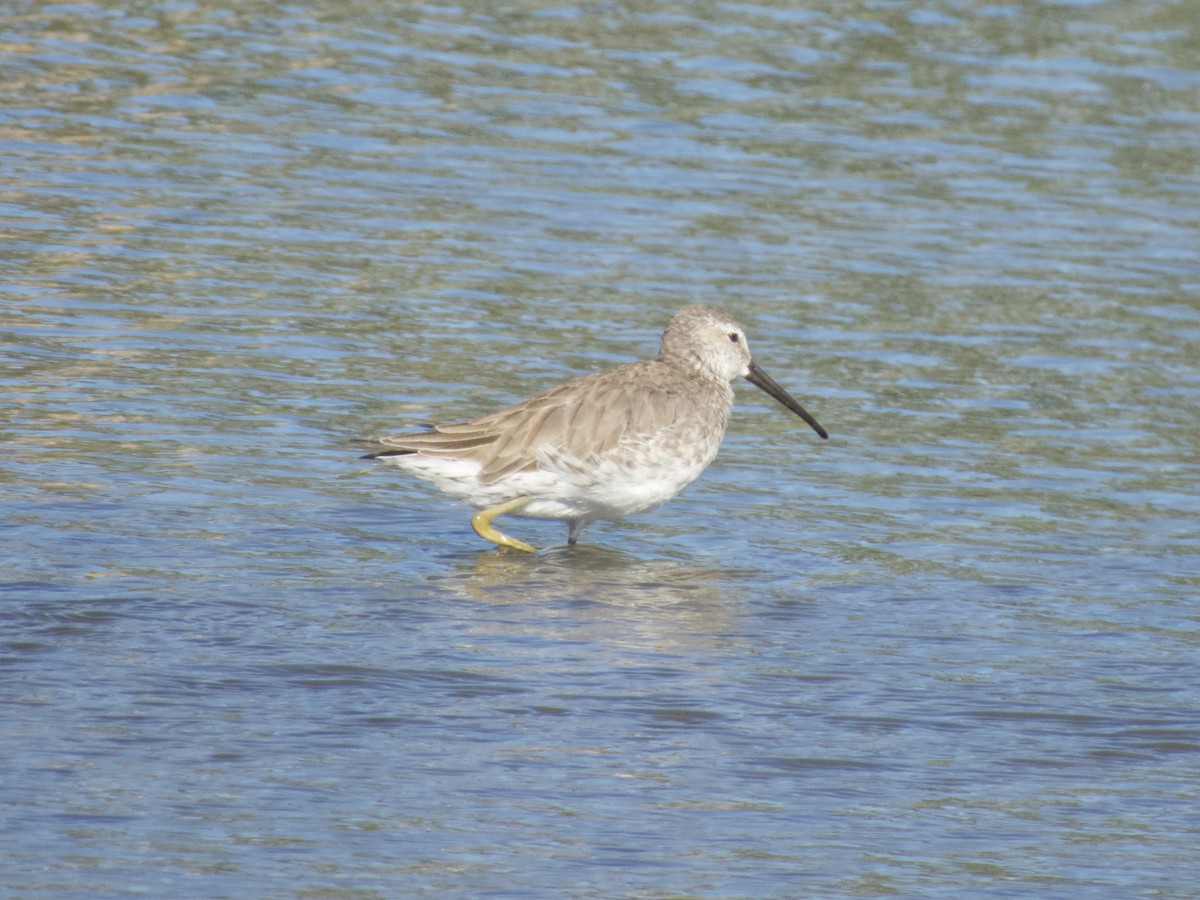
pixel 581 419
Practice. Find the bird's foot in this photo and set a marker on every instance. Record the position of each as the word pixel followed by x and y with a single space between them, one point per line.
pixel 482 523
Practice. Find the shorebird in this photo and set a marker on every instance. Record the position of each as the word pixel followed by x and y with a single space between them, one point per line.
pixel 603 446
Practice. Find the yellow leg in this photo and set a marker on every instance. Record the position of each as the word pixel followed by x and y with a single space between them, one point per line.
pixel 482 523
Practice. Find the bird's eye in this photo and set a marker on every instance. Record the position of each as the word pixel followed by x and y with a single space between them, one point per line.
pixel 733 336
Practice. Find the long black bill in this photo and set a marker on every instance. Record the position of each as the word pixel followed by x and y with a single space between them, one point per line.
pixel 761 379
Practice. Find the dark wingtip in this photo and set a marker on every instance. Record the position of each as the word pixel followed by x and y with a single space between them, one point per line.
pixel 382 453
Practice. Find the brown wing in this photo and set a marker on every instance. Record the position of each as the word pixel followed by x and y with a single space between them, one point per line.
pixel 585 417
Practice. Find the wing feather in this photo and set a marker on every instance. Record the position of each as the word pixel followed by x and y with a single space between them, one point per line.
pixel 585 418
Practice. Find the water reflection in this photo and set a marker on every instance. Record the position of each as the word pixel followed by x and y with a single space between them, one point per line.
pixel 601 593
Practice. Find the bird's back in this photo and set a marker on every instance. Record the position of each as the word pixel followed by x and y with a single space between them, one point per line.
pixel 638 404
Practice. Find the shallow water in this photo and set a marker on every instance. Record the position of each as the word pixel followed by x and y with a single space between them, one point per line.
pixel 953 649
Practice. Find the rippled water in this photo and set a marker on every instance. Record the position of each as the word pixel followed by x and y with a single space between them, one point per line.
pixel 953 650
